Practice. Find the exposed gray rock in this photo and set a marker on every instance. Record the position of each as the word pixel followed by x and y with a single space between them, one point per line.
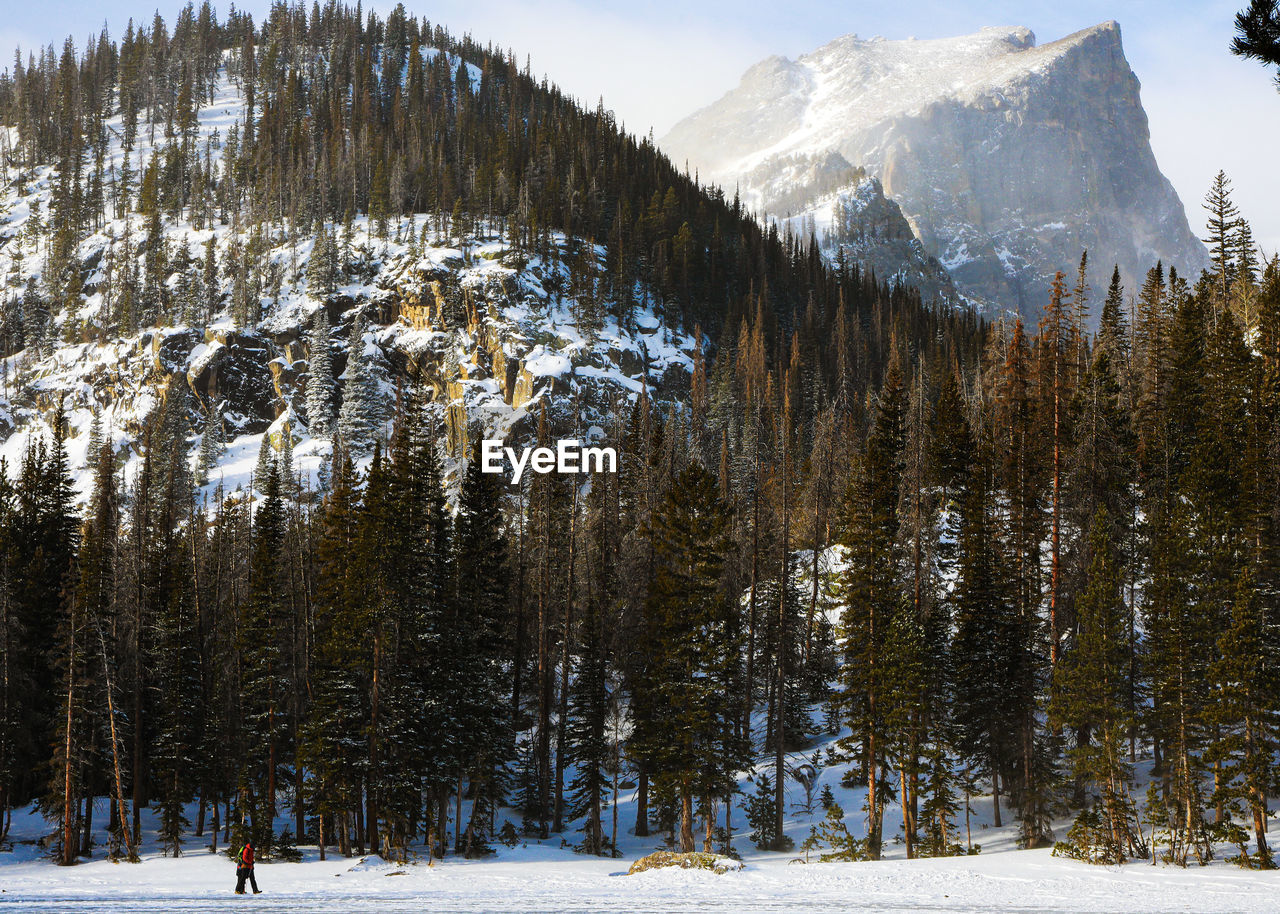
pixel 1007 159
pixel 846 210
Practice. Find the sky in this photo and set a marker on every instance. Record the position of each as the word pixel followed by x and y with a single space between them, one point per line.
pixel 654 62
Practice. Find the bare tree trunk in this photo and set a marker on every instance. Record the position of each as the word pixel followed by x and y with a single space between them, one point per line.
pixel 518 665
pixel 1055 536
pixel 728 824
pixel 908 814
pixel 371 800
pixel 457 817
pixel 543 752
pixel 360 834
pixel 213 828
pixel 751 612
pixel 968 810
pixel 139 783
pixel 138 786
pixel 115 744
pixel 271 765
pixel 613 809
pixel 563 715
pixel 86 830
pixel 780 703
pixel 320 833
pixel 299 810
pixel 70 842
pixel 686 818
pixel 442 812
pixel 873 798
pixel 642 805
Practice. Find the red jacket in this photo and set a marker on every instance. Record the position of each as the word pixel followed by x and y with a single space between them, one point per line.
pixel 246 855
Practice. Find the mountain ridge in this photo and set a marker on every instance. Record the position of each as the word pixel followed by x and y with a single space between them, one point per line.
pixel 1008 158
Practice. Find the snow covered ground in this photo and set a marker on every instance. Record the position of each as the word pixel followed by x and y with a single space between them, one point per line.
pixel 547 878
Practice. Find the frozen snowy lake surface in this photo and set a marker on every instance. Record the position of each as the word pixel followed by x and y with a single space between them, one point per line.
pixel 548 877
pixel 545 878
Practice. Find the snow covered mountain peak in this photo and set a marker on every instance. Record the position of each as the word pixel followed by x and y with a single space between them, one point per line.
pixel 1007 157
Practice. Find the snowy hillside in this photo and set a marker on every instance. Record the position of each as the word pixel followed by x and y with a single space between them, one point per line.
pixel 1008 158
pixel 488 331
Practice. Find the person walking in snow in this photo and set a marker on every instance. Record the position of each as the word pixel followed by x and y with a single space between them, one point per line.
pixel 244 870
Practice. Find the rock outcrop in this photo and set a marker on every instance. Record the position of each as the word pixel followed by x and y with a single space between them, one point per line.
pixel 846 211
pixel 691 861
pixel 482 335
pixel 1008 159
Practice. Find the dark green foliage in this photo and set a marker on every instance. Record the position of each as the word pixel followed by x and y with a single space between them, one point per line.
pixel 590 751
pixel 320 386
pixel 1091 697
pixel 874 596
pixel 761 809
pixel 682 732
pixel 1091 839
pixel 359 421
pixel 1258 33
pixel 479 706
pixel 263 649
pixel 841 846
pixel 826 798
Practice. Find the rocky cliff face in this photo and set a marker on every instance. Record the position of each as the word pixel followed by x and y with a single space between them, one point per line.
pixel 485 331
pixel 846 211
pixel 492 335
pixel 1008 159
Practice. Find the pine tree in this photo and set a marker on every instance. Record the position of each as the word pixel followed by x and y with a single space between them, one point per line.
pixel 762 815
pixel 1222 226
pixel 937 814
pixel 1092 694
pixel 211 442
pixel 96 593
pixel 1021 444
pixel 48 490
pixel 481 593
pixel 15 735
pixel 359 420
pixel 679 707
pixel 378 559
pixel 987 643
pixel 35 321
pixel 264 684
pixel 322 266
pixel 872 593
pixel 1246 714
pixel 265 469
pixel 589 750
pixel 320 386
pixel 1113 334
pixel 1176 663
pixel 334 738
